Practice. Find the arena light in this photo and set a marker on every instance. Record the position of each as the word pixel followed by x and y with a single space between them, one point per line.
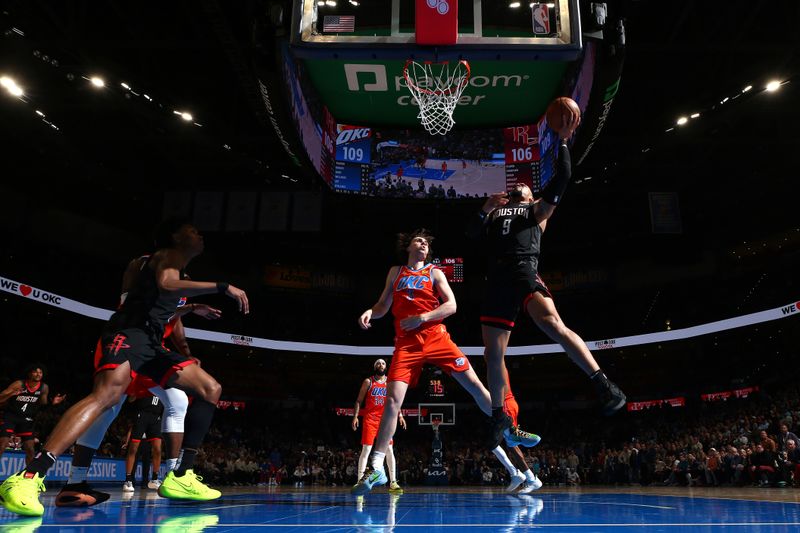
pixel 185 115
pixel 125 86
pixel 97 82
pixel 514 5
pixel 749 87
pixel 11 86
pixel 773 86
pixel 40 113
pixel 354 3
pixel 681 121
pixel 694 115
pixel 331 3
pixel 321 3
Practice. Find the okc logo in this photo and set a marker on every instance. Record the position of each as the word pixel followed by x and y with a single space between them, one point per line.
pixel 412 282
pixel 441 6
pixel 380 391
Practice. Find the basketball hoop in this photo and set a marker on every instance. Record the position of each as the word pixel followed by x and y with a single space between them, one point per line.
pixel 436 421
pixel 436 87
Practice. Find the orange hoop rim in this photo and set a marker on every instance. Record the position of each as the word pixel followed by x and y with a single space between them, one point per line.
pixel 448 91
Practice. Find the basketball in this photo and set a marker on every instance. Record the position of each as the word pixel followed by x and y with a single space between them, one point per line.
pixel 560 108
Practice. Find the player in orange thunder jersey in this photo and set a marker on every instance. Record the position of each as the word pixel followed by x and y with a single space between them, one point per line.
pixel 413 292
pixel 373 394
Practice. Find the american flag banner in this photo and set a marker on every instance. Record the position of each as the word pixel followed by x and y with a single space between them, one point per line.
pixel 340 23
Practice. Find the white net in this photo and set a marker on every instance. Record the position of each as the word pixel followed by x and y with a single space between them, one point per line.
pixel 436 87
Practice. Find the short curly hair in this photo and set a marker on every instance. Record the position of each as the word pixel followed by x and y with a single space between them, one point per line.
pixel 404 240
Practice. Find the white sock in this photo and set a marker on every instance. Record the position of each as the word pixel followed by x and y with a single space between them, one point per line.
pixel 500 453
pixel 172 464
pixel 362 459
pixel 529 475
pixel 78 474
pixel 376 460
pixel 391 463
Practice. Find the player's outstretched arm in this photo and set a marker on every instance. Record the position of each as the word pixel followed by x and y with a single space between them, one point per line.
pixel 383 304
pixel 168 278
pixel 12 390
pixel 551 195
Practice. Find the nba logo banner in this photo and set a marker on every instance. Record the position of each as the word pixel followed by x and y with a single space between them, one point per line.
pixel 436 21
pixel 541 19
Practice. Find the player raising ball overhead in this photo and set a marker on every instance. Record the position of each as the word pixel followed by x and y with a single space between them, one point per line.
pixel 510 227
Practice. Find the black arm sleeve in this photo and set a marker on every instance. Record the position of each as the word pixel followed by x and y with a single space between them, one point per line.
pixel 554 190
pixel 476 226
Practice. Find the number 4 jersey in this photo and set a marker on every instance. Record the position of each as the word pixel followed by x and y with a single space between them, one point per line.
pixel 26 403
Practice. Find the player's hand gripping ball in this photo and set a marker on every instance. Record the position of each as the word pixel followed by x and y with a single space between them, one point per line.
pixel 563 116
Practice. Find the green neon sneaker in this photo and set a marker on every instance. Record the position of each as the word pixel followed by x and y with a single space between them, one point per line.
pixel 20 494
pixel 190 486
pixel 187 524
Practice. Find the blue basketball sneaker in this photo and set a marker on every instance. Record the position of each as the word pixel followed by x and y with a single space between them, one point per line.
pixel 371 478
pixel 515 436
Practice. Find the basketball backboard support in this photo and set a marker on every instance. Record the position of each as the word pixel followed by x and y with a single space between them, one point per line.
pixel 446 412
pixel 481 23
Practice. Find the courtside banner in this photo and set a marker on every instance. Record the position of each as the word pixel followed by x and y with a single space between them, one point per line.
pixel 30 292
pixel 101 470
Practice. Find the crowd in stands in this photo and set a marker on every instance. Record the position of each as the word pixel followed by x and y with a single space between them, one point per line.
pixel 741 442
pixel 389 186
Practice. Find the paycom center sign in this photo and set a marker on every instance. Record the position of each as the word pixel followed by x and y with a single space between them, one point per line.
pixel 500 93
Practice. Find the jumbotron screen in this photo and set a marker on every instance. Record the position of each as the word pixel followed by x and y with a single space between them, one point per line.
pixel 382 162
pixel 452 267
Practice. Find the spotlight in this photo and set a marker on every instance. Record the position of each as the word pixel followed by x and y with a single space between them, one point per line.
pixel 694 115
pixel 681 121
pixel 514 5
pixel 11 86
pixel 125 86
pixel 773 86
pixel 747 88
pixel 184 115
pixel 97 82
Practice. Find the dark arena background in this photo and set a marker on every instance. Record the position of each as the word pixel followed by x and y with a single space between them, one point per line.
pixel 285 132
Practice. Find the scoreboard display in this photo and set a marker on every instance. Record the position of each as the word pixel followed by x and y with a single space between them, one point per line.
pixel 452 267
pixel 353 156
pixel 522 155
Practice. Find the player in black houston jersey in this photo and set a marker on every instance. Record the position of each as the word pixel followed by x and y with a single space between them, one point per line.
pixel 132 342
pixel 21 401
pixel 147 427
pixel 511 226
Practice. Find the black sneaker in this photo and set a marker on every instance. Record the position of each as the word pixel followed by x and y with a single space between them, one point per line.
pixel 612 398
pixel 497 428
pixel 79 495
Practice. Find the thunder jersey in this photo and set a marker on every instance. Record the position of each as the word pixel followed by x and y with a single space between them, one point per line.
pixel 26 403
pixel 513 230
pixel 375 399
pixel 413 294
pixel 145 307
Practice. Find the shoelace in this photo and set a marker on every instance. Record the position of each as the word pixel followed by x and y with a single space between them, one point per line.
pixel 523 434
